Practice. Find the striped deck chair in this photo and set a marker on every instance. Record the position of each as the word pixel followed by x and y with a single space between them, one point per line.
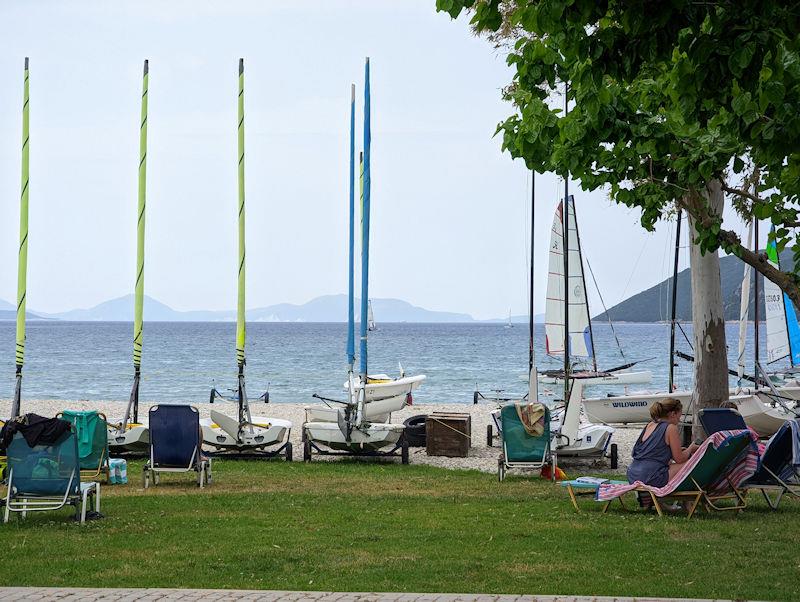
pixel 714 473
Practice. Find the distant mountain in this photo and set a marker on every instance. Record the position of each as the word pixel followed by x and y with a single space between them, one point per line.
pixel 9 312
pixel 328 308
pixel 653 305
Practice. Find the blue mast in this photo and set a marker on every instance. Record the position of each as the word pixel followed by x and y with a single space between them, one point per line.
pixel 351 345
pixel 365 231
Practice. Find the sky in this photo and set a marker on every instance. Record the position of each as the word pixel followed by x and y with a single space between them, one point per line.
pixel 450 210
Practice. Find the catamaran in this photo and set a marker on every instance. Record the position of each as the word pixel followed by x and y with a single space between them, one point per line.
pixel 360 425
pixel 22 261
pixel 245 434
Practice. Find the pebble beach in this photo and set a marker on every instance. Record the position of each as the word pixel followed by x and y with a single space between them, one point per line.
pixel 481 457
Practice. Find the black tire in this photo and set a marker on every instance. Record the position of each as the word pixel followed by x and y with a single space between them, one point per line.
pixel 475 397
pixel 415 434
pixel 306 449
pixel 212 396
pixel 614 456
pixel 288 452
pixel 489 435
pixel 404 451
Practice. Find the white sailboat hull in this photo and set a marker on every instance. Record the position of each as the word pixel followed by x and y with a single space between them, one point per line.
pixel 592 441
pixel 604 378
pixel 136 439
pixel 378 410
pixel 264 433
pixel 384 387
pixel 369 437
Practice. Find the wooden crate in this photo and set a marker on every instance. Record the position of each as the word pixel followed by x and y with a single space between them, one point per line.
pixel 448 434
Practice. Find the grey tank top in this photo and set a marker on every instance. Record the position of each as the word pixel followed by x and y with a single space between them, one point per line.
pixel 654 448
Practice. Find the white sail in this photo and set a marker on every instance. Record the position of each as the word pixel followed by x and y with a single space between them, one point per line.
pixel 777 336
pixel 579 338
pixel 370 317
pixel 744 308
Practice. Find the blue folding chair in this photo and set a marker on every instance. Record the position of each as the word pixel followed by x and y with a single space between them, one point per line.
pixel 175 444
pixel 47 477
pixel 778 470
pixel 721 419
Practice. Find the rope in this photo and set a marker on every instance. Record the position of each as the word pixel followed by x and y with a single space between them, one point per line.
pixel 603 303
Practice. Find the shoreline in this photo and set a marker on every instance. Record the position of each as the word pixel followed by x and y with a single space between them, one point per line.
pixel 481 457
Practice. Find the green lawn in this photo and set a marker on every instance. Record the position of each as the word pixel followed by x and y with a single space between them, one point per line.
pixel 369 527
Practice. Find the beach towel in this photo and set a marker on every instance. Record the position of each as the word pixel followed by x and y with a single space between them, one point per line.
pixel 741 468
pixel 532 417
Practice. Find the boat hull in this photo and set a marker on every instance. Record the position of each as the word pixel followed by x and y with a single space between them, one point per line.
pixel 136 439
pixel 369 438
pixel 378 410
pixel 389 387
pixel 639 377
pixel 266 432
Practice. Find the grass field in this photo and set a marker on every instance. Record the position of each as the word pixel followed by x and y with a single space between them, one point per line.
pixel 364 527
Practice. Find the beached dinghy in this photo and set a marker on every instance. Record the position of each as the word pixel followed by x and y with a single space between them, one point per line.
pixel 130 436
pixel 361 425
pixel 244 434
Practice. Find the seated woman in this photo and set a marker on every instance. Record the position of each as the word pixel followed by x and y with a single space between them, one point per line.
pixel 658 454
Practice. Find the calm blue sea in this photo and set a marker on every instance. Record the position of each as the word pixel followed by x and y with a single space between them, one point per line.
pixel 92 360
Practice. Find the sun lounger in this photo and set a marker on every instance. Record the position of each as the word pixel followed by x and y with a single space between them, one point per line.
pixel 524 445
pixel 46 477
pixel 714 473
pixel 175 444
pixel 587 486
pixel 92 430
pixel 778 469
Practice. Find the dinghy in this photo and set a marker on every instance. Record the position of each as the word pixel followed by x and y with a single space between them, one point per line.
pixel 130 436
pixel 361 425
pixel 245 434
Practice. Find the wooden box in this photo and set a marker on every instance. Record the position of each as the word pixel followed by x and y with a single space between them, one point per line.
pixel 448 434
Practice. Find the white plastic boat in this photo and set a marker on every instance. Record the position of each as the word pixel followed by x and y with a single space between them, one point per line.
pixel 135 439
pixel 623 377
pixel 367 437
pixel 379 410
pixel 383 386
pixel 222 432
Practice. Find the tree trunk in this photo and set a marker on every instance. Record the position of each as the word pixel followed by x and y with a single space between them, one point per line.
pixel 708 318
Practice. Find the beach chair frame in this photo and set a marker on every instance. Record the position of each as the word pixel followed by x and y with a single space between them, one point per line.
pixel 103 466
pixel 781 487
pixel 197 463
pixel 549 454
pixel 23 503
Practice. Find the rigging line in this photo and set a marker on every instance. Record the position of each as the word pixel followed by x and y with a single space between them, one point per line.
pixel 603 303
pixel 633 271
pixel 683 332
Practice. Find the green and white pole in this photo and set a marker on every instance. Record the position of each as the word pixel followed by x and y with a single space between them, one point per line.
pixel 22 266
pixel 244 408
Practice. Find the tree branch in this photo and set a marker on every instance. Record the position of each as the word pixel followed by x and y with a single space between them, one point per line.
pixel 742 193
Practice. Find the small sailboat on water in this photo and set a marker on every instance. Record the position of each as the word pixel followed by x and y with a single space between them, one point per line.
pixel 361 425
pixel 371 326
pixel 131 436
pixel 245 434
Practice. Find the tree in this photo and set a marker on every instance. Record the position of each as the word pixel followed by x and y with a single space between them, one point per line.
pixel 675 104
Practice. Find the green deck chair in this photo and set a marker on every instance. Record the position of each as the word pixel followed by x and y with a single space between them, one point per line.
pixel 521 449
pixel 709 470
pixel 92 430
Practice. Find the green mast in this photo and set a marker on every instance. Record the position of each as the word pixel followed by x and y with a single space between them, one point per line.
pixel 244 409
pixel 22 266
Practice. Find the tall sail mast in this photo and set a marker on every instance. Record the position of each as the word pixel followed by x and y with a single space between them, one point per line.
pixel 756 308
pixel 351 350
pixel 674 304
pixel 565 231
pixel 533 377
pixel 583 283
pixel 744 310
pixel 365 229
pixel 244 409
pixel 22 266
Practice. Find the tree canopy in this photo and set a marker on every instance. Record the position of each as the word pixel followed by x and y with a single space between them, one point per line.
pixel 665 97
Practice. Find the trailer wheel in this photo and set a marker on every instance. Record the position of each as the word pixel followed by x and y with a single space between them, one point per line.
pixel 614 456
pixel 288 451
pixel 404 451
pixel 306 448
pixel 475 397
pixel 489 435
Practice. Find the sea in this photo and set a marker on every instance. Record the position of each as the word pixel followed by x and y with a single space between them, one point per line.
pixel 183 360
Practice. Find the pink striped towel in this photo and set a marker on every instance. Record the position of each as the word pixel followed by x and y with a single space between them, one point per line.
pixel 742 468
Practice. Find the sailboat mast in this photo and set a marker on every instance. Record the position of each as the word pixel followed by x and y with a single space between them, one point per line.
pixel 22 266
pixel 674 304
pixel 583 282
pixel 365 229
pixel 138 303
pixel 756 307
pixel 351 349
pixel 565 235
pixel 533 377
pixel 240 305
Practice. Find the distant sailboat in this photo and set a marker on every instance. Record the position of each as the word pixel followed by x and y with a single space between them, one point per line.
pixel 371 327
pixel 509 323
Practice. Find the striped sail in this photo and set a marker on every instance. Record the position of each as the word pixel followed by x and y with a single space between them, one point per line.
pixel 579 337
pixel 783 330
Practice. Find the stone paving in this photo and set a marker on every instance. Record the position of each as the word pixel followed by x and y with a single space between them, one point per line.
pixel 221 595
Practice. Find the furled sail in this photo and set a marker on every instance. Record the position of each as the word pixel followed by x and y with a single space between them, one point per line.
pixel 744 309
pixel 783 330
pixel 579 335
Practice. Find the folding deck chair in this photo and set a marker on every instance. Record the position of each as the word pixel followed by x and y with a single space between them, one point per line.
pixel 714 420
pixel 47 477
pixel 92 429
pixel 522 449
pixel 175 444
pixel 714 473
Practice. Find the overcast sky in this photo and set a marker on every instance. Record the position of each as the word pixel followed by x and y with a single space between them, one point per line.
pixel 449 209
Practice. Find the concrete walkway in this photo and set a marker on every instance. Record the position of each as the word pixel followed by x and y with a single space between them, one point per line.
pixel 141 595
